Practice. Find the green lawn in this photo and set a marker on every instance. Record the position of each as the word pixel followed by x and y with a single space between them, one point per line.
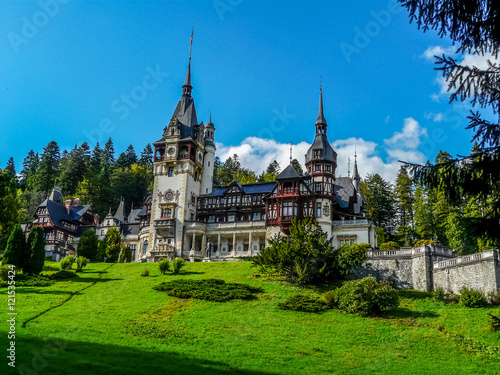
pixel 120 325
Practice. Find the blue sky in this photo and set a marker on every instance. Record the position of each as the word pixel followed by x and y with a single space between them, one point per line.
pixel 68 67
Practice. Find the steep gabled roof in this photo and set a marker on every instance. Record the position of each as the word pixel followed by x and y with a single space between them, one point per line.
pixel 289 173
pixel 120 214
pixel 344 190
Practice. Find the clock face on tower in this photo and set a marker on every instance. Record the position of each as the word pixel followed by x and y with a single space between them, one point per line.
pixel 171 150
pixel 169 195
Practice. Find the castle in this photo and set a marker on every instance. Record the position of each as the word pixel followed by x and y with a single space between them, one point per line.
pixel 186 216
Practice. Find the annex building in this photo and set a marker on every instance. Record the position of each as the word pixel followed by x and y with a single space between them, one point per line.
pixel 186 216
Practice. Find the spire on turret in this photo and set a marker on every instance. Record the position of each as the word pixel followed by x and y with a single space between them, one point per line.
pixel 187 88
pixel 355 176
pixel 321 121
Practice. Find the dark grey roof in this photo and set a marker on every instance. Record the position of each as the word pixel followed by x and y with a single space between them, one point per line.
pixel 288 173
pixel 129 229
pixel 344 190
pixel 56 196
pixel 259 187
pixel 134 215
pixel 142 212
pixel 120 214
pixel 327 151
pixel 58 212
pixel 185 112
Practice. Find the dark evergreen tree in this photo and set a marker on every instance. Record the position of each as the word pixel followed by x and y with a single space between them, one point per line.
pixel 96 160
pixel 36 251
pixel 9 207
pixel 11 168
pixel 379 202
pixel 404 199
pixel 473 27
pixel 15 249
pixel 113 245
pixel 127 158
pixel 73 170
pixel 29 172
pixel 295 163
pixel 146 159
pixel 49 165
pixel 87 246
pixel 108 156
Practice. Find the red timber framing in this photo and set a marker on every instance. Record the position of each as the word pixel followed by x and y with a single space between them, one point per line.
pixel 289 199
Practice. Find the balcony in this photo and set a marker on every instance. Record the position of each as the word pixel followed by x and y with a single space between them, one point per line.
pixel 165 227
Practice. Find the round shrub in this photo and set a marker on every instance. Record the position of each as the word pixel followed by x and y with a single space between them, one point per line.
pixel 177 264
pixel 81 263
pixel 391 245
pixel 471 297
pixel 164 266
pixel 67 262
pixel 364 297
pixel 145 272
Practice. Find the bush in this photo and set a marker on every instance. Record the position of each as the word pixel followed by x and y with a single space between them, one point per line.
pixel 351 256
pixel 81 263
pixel 164 266
pixel 495 322
pixel 67 262
pixel 306 256
pixel 4 272
pixel 364 297
pixel 471 297
pixel 300 302
pixel 210 289
pixel 424 242
pixel 177 264
pixel 145 272
pixel 438 294
pixel 391 245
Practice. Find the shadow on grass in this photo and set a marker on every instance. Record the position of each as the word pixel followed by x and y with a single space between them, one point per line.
pixel 414 294
pixel 59 356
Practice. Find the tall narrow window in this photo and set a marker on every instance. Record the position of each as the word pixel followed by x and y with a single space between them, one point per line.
pixel 170 171
pixel 318 209
pixel 145 247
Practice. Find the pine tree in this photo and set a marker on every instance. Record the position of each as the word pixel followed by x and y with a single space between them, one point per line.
pixel 472 25
pixel 127 158
pixel 29 172
pixel 48 170
pixel 11 168
pixel 404 199
pixel 9 206
pixel 379 202
pixel 96 160
pixel 108 156
pixel 73 168
pixel 36 251
pixel 14 251
pixel 146 159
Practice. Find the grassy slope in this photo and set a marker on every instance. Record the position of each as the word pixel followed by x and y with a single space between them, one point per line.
pixel 121 325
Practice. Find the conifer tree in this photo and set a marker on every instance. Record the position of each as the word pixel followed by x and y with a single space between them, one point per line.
pixel 146 159
pixel 15 250
pixel 35 257
pixel 48 169
pixel 11 168
pixel 88 243
pixel 113 244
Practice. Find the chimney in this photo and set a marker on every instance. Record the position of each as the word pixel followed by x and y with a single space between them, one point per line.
pixel 96 219
pixel 67 204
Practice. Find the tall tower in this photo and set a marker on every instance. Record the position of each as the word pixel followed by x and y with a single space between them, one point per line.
pixel 321 162
pixel 209 158
pixel 179 168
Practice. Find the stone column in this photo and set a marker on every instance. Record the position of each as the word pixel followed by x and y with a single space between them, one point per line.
pixel 218 244
pixel 233 253
pixel 193 247
pixel 249 244
pixel 203 245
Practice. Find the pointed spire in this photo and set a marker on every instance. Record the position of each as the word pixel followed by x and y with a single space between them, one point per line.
pixel 186 88
pixel 321 121
pixel 291 145
pixel 355 176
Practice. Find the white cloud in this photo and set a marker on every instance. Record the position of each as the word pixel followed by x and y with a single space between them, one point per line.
pixel 432 51
pixel 436 117
pixel 409 137
pixel 256 153
pixel 386 120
